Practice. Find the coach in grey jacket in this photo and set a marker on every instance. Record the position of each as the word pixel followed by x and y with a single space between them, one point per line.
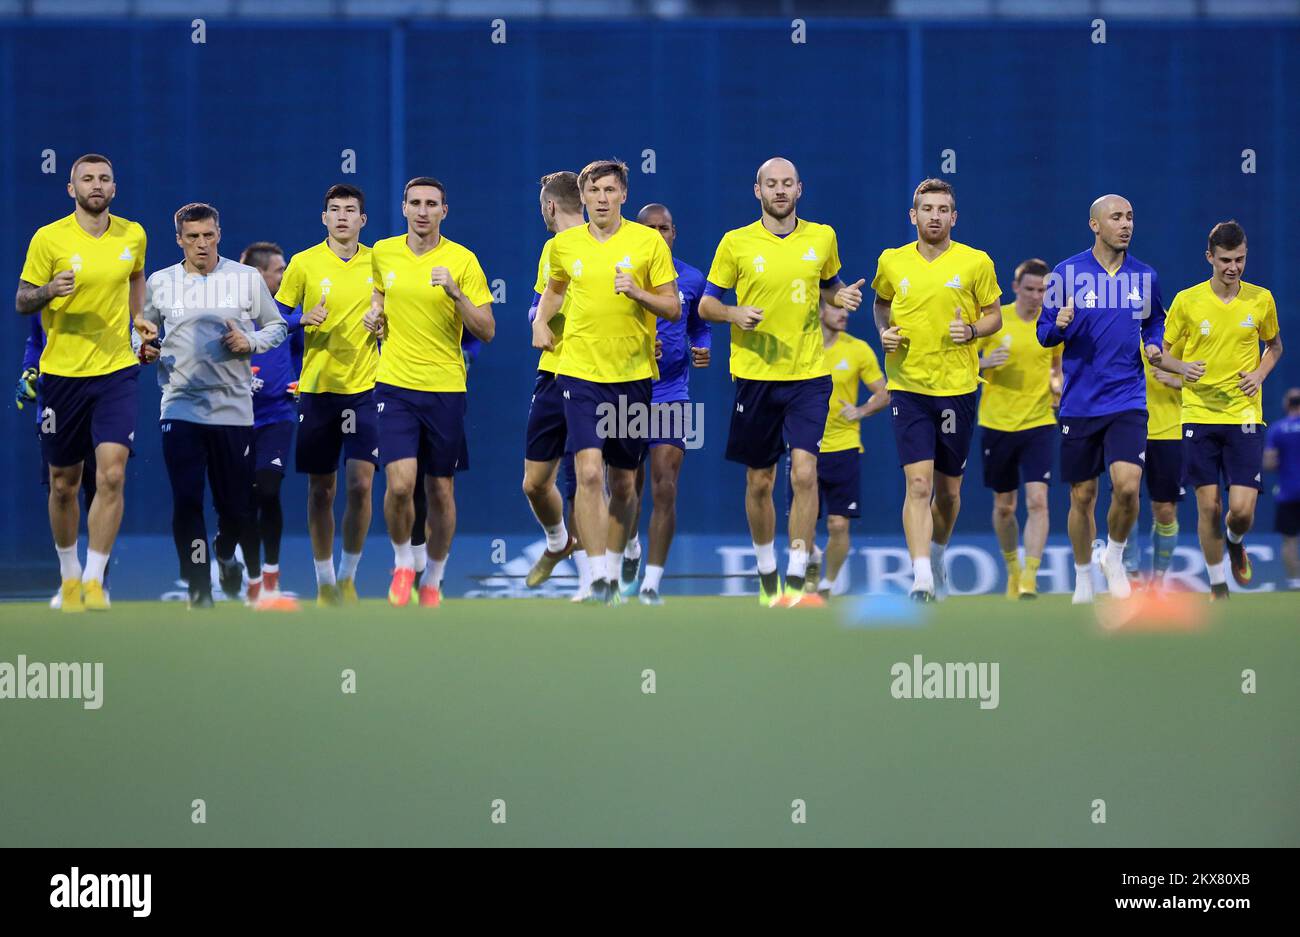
pixel 211 315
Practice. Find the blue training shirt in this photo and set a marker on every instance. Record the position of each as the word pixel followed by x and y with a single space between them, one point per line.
pixel 1114 316
pixel 273 372
pixel 1284 436
pixel 689 331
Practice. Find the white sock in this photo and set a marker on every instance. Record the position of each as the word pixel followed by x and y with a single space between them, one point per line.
pixel 1114 550
pixel 433 572
pixel 325 572
pixel 1083 573
pixel 274 567
pixel 652 576
pixel 557 537
pixel 824 585
pixel 1232 538
pixel 581 561
pixel 922 574
pixel 936 554
pixel 348 564
pixel 633 549
pixel 613 566
pixel 816 555
pixel 798 564
pixel 419 556
pixel 1218 575
pixel 96 563
pixel 766 553
pixel 69 567
pixel 403 558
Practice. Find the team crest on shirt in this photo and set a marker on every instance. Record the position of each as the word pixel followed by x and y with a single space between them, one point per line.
pixel 389 279
pixel 1250 321
pixel 903 286
pixel 126 254
pixel 759 264
pixel 75 261
pixel 843 365
pixel 325 285
pixel 810 254
pixel 1135 296
pixel 955 282
pixel 577 268
pixel 624 264
pixel 1090 300
pixel 1205 326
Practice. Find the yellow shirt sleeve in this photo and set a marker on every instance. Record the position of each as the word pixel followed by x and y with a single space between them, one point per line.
pixel 1175 327
pixel 661 263
pixel 986 289
pixel 473 282
pixel 870 367
pixel 559 263
pixel 292 286
pixel 139 257
pixel 882 283
pixel 376 271
pixel 38 269
pixel 832 265
pixel 1268 327
pixel 543 269
pixel 723 270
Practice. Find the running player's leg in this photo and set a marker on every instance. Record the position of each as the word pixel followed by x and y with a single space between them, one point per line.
pixel 954 419
pixel 839 489
pixel 399 447
pixel 316 454
pixel 66 441
pixel 630 562
pixel 112 429
pixel 754 440
pixel 665 468
pixel 1036 526
pixel 804 421
pixel 837 550
pixel 1209 530
pixel 442 446
pixel 1243 466
pixel 543 448
pixel 623 456
pixel 360 458
pixel 186 459
pixel 230 476
pixel 1083 458
pixel 1007 530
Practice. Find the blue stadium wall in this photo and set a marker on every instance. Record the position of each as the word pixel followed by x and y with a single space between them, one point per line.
pixel 255 120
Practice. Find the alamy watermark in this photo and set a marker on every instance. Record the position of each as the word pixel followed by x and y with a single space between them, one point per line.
pixel 933 680
pixel 636 420
pixel 1089 290
pixel 37 680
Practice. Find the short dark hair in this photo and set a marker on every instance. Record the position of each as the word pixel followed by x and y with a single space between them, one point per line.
pixel 933 185
pixel 1226 234
pixel 1034 267
pixel 259 254
pixel 601 168
pixel 196 211
pixel 88 158
pixel 425 180
pixel 1291 399
pixel 562 188
pixel 343 190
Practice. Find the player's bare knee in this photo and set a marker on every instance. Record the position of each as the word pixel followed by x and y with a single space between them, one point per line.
pixel 837 525
pixel 665 492
pixel 758 484
pixel 919 488
pixel 803 477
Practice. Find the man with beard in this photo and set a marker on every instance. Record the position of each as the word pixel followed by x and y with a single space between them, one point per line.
pixel 780 267
pixel 935 299
pixel 85 275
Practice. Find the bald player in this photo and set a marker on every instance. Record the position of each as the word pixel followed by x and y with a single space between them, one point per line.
pixel 780 267
pixel 1104 306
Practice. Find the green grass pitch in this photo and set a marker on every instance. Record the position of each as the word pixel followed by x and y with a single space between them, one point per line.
pixel 540 704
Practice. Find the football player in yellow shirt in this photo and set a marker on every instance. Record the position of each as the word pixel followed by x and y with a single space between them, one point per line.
pixel 1223 321
pixel 426 287
pixel 935 299
pixel 1163 470
pixel 85 275
pixel 618 277
pixel 546 432
pixel 839 464
pixel 333 283
pixel 1018 426
pixel 781 266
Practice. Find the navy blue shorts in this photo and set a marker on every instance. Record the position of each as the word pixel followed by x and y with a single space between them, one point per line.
pixel 332 423
pixel 80 413
pixel 839 483
pixel 934 428
pixel 1286 518
pixel 422 424
pixel 1164 470
pixel 605 417
pixel 672 421
pixel 1214 451
pixel 768 416
pixel 271 444
pixel 1011 458
pixel 546 430
pixel 1089 444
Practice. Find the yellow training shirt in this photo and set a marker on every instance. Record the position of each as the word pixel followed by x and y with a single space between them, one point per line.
pixel 851 360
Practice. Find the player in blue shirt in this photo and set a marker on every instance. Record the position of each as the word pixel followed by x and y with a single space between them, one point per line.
pixel 685 343
pixel 275 412
pixel 1282 455
pixel 1104 305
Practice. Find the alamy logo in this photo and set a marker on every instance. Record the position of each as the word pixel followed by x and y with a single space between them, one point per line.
pixel 636 420
pixel 76 890
pixel 1126 290
pixel 36 680
pixel 933 680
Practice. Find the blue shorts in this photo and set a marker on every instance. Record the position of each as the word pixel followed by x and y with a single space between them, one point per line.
pixel 546 430
pixel 271 443
pixel 1019 456
pixel 934 428
pixel 1214 451
pixel 422 424
pixel 332 423
pixel 839 483
pixel 768 416
pixel 672 422
pixel 81 413
pixel 1164 470
pixel 601 416
pixel 1090 444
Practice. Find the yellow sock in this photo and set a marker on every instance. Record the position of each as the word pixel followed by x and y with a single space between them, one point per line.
pixel 1012 559
pixel 1029 576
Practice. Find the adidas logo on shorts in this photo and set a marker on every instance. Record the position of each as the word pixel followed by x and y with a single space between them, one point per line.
pixel 375 452
pixel 1143 455
pixel 276 461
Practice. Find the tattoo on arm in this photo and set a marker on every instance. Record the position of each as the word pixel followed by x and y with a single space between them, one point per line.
pixel 31 298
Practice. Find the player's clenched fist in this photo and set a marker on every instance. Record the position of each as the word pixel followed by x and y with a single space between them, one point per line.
pixel 235 340
pixel 699 357
pixel 849 297
pixel 1065 315
pixel 891 338
pixel 623 282
pixel 543 337
pixel 1193 371
pixel 145 329
pixel 441 276
pixel 959 330
pixel 375 321
pixel 747 317
pixel 63 283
